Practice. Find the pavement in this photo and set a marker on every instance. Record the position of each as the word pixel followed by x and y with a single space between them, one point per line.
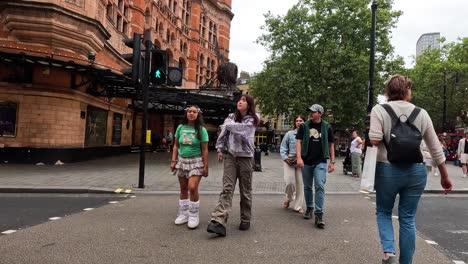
pixel 141 230
pixel 121 174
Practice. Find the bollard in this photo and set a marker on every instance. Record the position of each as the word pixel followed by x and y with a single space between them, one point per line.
pixel 258 159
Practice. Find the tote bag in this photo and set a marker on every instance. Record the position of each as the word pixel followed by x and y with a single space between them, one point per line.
pixel 368 172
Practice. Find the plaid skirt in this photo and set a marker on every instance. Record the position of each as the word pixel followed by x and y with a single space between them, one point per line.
pixel 188 167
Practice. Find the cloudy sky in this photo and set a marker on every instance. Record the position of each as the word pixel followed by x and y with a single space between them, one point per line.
pixel 449 17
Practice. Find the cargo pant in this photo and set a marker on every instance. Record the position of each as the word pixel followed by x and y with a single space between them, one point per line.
pixel 235 168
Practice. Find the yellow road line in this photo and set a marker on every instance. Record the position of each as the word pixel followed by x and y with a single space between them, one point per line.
pixel 128 191
pixel 118 190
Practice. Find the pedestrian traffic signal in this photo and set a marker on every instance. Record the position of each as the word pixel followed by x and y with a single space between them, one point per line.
pixel 174 76
pixel 158 74
pixel 134 58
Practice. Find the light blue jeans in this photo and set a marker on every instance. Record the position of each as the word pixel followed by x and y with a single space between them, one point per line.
pixel 408 181
pixel 315 175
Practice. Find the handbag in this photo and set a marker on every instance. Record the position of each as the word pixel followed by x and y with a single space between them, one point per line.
pixel 292 160
pixel 368 172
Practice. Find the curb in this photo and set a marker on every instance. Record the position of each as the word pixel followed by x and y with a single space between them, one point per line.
pixel 103 190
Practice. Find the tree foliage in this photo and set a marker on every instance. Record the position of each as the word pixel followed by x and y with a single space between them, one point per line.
pixel 436 68
pixel 320 54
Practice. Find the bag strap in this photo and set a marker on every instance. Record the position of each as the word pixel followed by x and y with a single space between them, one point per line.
pixel 414 114
pixel 390 111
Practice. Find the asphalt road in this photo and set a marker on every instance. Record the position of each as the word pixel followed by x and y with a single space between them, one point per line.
pixel 444 220
pixel 19 211
pixel 141 230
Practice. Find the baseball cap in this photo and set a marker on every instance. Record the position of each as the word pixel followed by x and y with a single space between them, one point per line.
pixel 315 108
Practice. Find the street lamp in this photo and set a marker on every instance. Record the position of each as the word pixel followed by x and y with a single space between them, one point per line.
pixel 370 95
pixel 444 113
pixel 370 99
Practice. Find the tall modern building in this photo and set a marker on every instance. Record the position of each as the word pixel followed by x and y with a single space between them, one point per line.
pixel 62 92
pixel 427 41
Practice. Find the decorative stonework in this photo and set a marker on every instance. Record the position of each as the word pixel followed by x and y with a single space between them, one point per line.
pixel 78 3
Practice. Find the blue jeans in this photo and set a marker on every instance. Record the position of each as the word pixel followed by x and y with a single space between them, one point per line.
pixel 315 175
pixel 408 181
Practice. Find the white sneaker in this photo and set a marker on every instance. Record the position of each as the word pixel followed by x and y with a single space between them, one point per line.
pixel 193 222
pixel 181 219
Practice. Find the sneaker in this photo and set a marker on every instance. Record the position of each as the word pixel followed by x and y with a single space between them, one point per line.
pixel 391 260
pixel 216 228
pixel 319 221
pixel 308 213
pixel 181 219
pixel 244 226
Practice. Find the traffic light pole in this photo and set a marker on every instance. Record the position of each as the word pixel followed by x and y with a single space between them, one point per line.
pixel 144 89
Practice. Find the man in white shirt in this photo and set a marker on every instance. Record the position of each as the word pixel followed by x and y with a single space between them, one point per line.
pixel 356 153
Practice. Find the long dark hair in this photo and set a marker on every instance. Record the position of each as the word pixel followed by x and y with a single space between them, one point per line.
pixel 294 121
pixel 250 110
pixel 199 123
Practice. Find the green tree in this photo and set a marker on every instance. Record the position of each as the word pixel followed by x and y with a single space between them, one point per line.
pixel 436 68
pixel 320 54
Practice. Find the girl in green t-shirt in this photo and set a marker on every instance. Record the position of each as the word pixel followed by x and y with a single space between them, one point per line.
pixel 189 163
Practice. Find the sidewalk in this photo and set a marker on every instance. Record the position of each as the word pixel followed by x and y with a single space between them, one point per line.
pixel 109 174
pixel 141 230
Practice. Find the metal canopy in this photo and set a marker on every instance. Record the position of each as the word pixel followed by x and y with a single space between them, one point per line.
pixel 215 103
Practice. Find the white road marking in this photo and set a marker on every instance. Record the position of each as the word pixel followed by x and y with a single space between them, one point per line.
pixel 430 242
pixel 458 262
pixel 113 202
pixel 458 231
pixel 133 196
pixel 88 209
pixel 367 197
pixel 55 218
pixel 8 232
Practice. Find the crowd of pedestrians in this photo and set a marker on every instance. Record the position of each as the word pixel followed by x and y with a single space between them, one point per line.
pixel 308 154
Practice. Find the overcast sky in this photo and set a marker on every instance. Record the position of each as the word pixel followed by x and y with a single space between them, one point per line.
pixel 449 17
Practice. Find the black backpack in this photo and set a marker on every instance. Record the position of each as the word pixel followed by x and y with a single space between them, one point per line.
pixel 405 138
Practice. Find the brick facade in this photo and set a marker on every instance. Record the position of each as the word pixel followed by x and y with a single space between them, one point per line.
pixel 53 114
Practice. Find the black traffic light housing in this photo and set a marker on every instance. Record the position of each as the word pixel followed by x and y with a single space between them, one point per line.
pixel 134 58
pixel 174 76
pixel 159 69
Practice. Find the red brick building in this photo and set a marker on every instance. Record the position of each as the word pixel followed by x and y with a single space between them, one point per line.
pixel 58 59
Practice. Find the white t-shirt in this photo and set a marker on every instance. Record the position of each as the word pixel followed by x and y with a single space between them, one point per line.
pixel 356 146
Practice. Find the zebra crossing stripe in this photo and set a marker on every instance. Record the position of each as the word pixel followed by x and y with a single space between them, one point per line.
pixel 7 232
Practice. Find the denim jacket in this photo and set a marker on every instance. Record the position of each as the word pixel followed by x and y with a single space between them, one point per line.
pixel 240 136
pixel 288 144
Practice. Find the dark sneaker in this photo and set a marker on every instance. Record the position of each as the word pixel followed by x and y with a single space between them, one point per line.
pixel 216 228
pixel 308 213
pixel 391 260
pixel 319 221
pixel 244 226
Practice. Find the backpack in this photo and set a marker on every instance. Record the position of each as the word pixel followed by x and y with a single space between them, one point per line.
pixel 405 138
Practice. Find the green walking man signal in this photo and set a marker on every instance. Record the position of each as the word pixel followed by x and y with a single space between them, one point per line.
pixel 158 74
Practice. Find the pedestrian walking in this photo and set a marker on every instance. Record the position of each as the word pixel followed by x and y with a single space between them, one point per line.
pixel 314 147
pixel 169 139
pixel 397 176
pixel 356 154
pixel 190 163
pixel 462 153
pixel 236 140
pixel 294 193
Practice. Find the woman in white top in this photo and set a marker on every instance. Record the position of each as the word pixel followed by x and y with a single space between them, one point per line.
pixel 408 180
pixel 356 153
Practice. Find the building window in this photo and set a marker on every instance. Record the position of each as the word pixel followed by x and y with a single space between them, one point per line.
pixel 186 12
pixel 96 127
pixel 117 129
pixel 8 111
